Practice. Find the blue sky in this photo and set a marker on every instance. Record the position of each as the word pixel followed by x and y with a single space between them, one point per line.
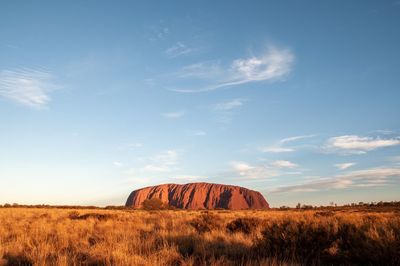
pixel 296 99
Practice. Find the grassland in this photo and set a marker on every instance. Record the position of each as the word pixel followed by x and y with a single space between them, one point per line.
pixel 51 236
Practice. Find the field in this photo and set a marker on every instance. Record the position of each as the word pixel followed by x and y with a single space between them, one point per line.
pixel 56 236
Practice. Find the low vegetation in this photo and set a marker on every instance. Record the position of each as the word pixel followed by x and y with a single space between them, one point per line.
pixel 334 236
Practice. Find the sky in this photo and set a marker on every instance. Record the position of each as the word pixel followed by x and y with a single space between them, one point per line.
pixel 299 100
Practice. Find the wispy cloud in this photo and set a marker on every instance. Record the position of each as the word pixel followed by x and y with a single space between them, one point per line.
pixel 274 64
pixel 373 177
pixel 229 105
pixel 246 170
pixel 280 146
pixel 162 162
pixel 344 166
pixel 173 115
pixel 178 49
pixel 357 144
pixel 30 87
pixel 283 164
pixel 277 149
pixel 296 138
pixel 227 109
pixel 209 70
pixel 158 32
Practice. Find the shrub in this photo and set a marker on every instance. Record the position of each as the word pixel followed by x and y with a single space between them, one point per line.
pixel 206 223
pixel 76 216
pixel 333 241
pixel 324 214
pixel 244 225
pixel 297 240
pixel 15 259
pixel 153 204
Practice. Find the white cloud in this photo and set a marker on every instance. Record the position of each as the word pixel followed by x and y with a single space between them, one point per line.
pixel 29 87
pixel 344 166
pixel 277 149
pixel 283 164
pixel 274 64
pixel 295 138
pixel 250 171
pixel 229 105
pixel 226 110
pixel 176 114
pixel 178 49
pixel 204 70
pixel 357 144
pixel 162 162
pixel 373 177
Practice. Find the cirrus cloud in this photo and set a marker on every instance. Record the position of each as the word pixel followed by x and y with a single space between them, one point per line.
pixel 344 166
pixel 283 164
pixel 357 144
pixel 30 87
pixel 178 49
pixel 273 65
pixel 373 177
pixel 246 170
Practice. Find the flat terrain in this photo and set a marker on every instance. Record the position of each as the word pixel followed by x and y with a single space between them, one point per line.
pixel 61 236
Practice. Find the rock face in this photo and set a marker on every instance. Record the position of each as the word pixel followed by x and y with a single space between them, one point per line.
pixel 200 196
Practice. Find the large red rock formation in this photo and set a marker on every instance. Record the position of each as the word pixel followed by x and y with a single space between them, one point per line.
pixel 200 196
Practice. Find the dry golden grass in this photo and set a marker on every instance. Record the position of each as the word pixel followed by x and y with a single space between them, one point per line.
pixel 43 236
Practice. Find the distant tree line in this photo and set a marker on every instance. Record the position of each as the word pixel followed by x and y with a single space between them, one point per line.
pixel 157 204
pixel 351 205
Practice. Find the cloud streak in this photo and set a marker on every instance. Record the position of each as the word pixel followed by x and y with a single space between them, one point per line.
pixel 373 177
pixel 278 148
pixel 229 105
pixel 246 170
pixel 162 162
pixel 295 138
pixel 283 164
pixel 273 65
pixel 358 145
pixel 29 87
pixel 178 49
pixel 344 166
